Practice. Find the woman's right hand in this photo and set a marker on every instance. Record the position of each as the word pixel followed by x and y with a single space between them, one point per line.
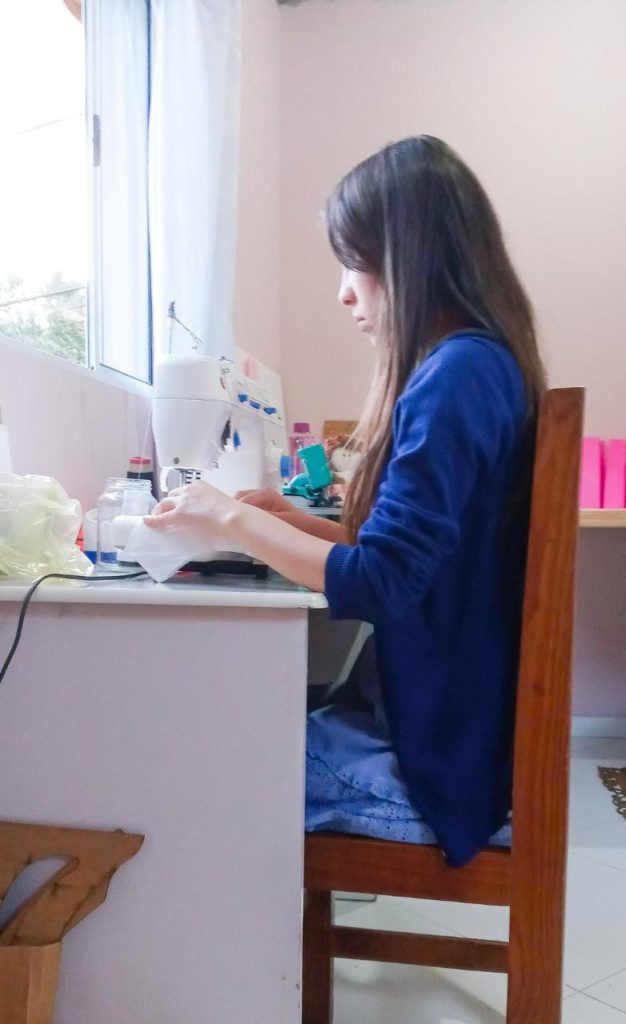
pixel 267 499
pixel 315 526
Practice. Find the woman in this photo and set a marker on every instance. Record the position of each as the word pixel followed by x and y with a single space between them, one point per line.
pixel 431 547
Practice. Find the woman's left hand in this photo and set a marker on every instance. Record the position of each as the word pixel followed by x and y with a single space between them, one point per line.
pixel 210 514
pixel 198 506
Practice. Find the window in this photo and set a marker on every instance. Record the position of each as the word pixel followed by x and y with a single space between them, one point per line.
pixel 43 178
pixel 73 181
pixel 105 102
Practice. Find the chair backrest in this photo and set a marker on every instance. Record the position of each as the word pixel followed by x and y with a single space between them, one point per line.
pixel 542 728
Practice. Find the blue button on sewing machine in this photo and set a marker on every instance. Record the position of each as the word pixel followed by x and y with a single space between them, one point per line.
pixel 270 410
pixel 242 397
pixel 255 405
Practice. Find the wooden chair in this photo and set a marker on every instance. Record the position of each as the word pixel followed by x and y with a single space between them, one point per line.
pixel 529 877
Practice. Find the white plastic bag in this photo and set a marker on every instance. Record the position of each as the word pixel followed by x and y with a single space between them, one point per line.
pixel 38 528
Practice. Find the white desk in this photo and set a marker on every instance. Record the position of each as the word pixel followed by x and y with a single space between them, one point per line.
pixel 176 711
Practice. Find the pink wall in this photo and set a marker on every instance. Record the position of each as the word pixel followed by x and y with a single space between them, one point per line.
pixel 533 96
pixel 257 285
pixel 600 638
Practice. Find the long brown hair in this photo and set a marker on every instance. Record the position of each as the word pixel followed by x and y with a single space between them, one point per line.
pixel 416 217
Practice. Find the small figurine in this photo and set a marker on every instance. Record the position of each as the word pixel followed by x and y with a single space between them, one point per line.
pixel 344 459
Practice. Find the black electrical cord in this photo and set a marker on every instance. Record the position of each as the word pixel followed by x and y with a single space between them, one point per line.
pixel 56 576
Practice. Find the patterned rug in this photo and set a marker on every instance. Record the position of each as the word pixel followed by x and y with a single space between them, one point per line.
pixel 615 781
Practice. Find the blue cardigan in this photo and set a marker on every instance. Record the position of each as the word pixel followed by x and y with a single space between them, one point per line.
pixel 438 570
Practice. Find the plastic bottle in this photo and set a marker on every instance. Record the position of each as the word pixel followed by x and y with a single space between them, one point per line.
pixel 120 497
pixel 90 534
pixel 5 451
pixel 300 438
pixel 278 467
pixel 140 468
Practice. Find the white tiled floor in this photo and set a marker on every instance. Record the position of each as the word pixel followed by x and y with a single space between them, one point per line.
pixel 595 940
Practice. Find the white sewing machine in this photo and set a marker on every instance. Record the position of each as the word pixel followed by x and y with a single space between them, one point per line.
pixel 217 419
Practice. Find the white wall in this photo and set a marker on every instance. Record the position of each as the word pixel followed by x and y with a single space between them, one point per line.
pixel 63 423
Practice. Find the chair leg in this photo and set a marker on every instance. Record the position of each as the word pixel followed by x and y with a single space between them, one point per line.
pixel 317 963
pixel 523 1008
pixel 535 975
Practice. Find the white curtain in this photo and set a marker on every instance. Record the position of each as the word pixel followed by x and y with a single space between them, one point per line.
pixel 192 169
pixel 117 95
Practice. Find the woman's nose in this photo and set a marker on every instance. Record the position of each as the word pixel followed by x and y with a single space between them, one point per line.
pixel 346 294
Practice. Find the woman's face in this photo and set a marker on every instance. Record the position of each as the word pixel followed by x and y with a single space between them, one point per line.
pixel 363 295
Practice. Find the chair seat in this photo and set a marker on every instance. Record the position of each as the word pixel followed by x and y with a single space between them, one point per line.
pixel 358 864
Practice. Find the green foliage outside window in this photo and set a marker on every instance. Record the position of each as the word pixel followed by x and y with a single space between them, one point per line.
pixel 52 320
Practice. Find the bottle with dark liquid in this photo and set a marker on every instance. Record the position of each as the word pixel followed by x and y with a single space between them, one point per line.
pixel 140 468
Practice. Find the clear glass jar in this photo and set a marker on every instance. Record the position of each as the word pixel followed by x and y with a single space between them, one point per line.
pixel 120 497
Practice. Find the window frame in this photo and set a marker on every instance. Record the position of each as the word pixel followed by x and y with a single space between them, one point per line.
pixel 96 309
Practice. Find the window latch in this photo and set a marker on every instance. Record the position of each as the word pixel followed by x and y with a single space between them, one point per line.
pixel 96 140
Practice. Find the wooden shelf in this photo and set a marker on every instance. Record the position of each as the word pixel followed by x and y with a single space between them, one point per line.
pixel 603 517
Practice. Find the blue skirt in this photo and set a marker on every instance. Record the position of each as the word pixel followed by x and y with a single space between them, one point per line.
pixel 353 781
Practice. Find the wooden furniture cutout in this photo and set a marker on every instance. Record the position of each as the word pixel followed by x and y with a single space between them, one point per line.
pixel 74 891
pixel 30 939
pixel 530 877
pixel 334 428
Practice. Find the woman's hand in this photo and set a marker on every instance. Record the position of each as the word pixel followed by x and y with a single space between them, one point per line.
pixel 267 499
pixel 210 514
pixel 198 506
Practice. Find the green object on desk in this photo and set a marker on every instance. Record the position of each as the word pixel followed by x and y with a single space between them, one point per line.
pixel 318 476
pixel 318 470
pixel 299 485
